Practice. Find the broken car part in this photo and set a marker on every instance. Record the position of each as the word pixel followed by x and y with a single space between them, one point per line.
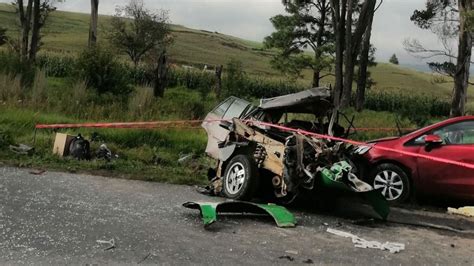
pixel 251 154
pixel 104 153
pixel 22 149
pixel 362 243
pixel 293 162
pixel 465 211
pixel 110 243
pixel 340 176
pixel 209 210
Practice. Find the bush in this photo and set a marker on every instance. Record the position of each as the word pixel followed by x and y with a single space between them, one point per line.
pixel 235 79
pixel 6 138
pixel 56 66
pixel 103 72
pixel 204 82
pixel 10 89
pixel 417 108
pixel 12 65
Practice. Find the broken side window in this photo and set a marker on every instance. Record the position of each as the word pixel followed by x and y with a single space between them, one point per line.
pixel 222 108
pixel 236 109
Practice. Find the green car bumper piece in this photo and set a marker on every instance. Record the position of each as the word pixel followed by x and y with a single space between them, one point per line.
pixel 339 177
pixel 208 210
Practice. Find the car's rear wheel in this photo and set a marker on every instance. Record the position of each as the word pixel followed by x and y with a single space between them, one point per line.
pixel 392 181
pixel 240 179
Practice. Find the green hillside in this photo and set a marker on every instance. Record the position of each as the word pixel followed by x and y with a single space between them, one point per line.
pixel 67 32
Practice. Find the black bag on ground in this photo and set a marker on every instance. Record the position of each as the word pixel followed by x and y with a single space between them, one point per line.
pixel 80 148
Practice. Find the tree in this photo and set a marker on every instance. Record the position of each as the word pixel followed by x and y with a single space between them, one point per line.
pixel 363 77
pixel 3 36
pixel 351 22
pixel 31 21
pixel 93 23
pixel 159 68
pixel 393 59
pixel 218 72
pixel 447 19
pixel 306 27
pixel 103 72
pixel 137 30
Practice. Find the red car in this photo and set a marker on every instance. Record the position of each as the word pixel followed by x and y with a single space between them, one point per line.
pixel 399 176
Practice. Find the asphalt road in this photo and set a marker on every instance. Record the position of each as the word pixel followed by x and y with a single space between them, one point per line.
pixel 57 218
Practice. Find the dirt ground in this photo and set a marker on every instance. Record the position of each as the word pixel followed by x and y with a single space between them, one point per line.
pixel 57 218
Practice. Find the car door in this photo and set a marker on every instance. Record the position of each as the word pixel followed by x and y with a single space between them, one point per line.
pixel 448 179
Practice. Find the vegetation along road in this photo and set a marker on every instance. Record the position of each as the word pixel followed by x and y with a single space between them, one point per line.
pixel 57 218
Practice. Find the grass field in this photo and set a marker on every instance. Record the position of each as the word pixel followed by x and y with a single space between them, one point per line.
pixel 67 32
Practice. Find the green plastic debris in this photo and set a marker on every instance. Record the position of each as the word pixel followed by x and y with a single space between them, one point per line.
pixel 340 177
pixel 209 210
pixel 281 215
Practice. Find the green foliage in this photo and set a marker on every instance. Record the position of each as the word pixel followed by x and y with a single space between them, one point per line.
pixel 102 72
pixel 145 30
pixel 306 26
pixel 6 138
pixel 469 19
pixel 393 59
pixel 417 108
pixel 12 65
pixel 192 79
pixel 56 65
pixel 3 36
pixel 137 149
pixel 234 79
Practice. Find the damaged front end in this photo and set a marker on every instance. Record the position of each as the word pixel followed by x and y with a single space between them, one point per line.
pixel 293 161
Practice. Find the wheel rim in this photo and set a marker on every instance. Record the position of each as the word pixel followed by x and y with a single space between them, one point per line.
pixel 235 178
pixel 391 184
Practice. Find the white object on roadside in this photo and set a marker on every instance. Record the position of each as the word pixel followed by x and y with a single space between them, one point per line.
pixel 466 211
pixel 185 158
pixel 362 243
pixel 293 252
pixel 110 242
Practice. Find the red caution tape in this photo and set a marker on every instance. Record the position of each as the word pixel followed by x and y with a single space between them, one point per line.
pixel 373 145
pixel 168 124
pixel 158 124
pixel 196 123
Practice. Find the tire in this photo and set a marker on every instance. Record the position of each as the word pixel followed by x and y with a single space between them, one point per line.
pixel 241 178
pixel 393 181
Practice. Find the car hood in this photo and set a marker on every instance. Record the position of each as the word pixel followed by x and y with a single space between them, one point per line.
pixel 312 101
pixel 383 139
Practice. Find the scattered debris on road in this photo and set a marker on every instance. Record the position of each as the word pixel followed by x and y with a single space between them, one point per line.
pixel 105 153
pixel 144 258
pixel 465 211
pixel 287 257
pixel 37 172
pixel 209 210
pixel 293 252
pixel 362 243
pixel 110 243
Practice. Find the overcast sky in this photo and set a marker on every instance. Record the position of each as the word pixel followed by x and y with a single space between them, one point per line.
pixel 249 19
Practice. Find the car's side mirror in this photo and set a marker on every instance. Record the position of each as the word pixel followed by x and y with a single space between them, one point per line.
pixel 432 141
